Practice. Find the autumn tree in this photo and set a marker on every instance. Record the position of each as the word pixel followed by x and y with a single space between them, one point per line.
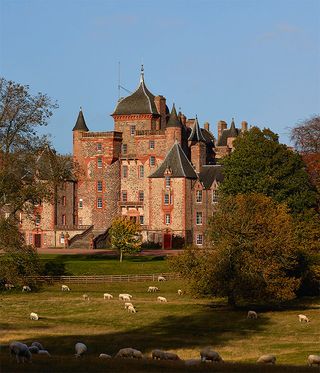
pixel 125 236
pixel 259 164
pixel 306 137
pixel 251 253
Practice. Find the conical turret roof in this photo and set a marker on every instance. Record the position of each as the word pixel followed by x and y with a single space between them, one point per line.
pixel 233 131
pixel 80 123
pixel 173 120
pixel 196 133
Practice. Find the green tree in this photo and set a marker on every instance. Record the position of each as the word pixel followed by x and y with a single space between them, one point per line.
pixel 259 164
pixel 125 236
pixel 251 254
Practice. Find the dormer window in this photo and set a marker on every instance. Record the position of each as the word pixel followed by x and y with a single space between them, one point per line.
pixel 199 196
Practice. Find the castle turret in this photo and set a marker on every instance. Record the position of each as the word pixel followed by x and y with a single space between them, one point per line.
pixel 77 130
pixel 173 129
pixel 197 144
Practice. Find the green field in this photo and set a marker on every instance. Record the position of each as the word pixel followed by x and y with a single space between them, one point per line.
pixel 183 325
pixel 107 265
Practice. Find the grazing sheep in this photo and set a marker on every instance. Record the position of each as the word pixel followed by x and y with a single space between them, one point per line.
pixel 136 354
pixel 80 349
pixel 192 362
pixel 33 349
pixel 37 344
pixel 125 296
pixel 44 352
pixel 131 309
pixel 26 288
pixel 303 318
pixel 8 286
pixel 179 292
pixel 85 297
pixel 252 315
pixel 34 316
pixel 162 299
pixel 152 289
pixel 104 356
pixel 125 352
pixel 158 354
pixel 313 359
pixel 171 356
pixel 107 296
pixel 65 288
pixel 127 304
pixel 20 351
pixel 161 278
pixel 208 354
pixel 267 359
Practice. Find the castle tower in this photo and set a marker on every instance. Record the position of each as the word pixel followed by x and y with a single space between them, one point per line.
pixel 197 144
pixel 77 131
pixel 173 130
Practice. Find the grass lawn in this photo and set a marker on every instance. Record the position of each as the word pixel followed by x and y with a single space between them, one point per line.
pixel 107 265
pixel 183 325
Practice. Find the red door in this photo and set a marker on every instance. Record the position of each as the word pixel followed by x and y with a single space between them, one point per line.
pixel 167 240
pixel 37 240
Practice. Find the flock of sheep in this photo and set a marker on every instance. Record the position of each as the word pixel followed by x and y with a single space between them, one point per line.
pixel 23 353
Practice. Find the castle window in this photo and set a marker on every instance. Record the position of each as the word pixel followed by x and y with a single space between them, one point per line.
pixel 168 181
pixel 199 239
pixel 141 196
pixel 168 219
pixel 63 219
pixel 215 196
pixel 63 200
pixel 99 162
pixel 99 203
pixel 80 203
pixel 38 219
pixel 152 160
pixel 124 171
pixel 151 144
pixel 199 218
pixel 99 186
pixel 132 130
pixel 141 171
pixel 199 196
pixel 99 146
pixel 124 148
pixel 166 198
pixel 141 219
pixel 124 196
pixel 62 238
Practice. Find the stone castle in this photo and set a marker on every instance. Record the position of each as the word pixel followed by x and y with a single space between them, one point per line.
pixel 157 167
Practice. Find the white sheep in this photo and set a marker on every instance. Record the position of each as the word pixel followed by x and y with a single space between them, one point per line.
pixel 104 356
pixel 158 354
pixel 121 296
pixel 303 318
pixel 267 359
pixel 208 354
pixel 127 304
pixel 180 292
pixel 252 315
pixel 107 296
pixel 26 288
pixel 313 359
pixel 161 278
pixel 44 352
pixel 85 297
pixel 34 316
pixel 152 289
pixel 131 309
pixel 8 286
pixel 162 299
pixel 80 349
pixel 33 349
pixel 125 352
pixel 126 298
pixel 37 344
pixel 65 288
pixel 20 351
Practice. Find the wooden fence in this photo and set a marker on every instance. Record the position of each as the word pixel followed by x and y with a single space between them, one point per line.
pixel 104 278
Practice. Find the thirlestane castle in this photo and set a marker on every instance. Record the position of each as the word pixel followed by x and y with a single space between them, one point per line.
pixel 157 167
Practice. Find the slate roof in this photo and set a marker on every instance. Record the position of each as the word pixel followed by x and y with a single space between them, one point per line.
pixel 208 136
pixel 141 101
pixel 173 120
pixel 178 163
pixel 80 123
pixel 196 133
pixel 210 173
pixel 231 132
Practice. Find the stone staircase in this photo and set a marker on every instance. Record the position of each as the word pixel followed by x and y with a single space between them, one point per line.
pixel 83 240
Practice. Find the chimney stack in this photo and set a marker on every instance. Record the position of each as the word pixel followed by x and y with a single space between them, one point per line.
pixel 244 126
pixel 222 125
pixel 207 126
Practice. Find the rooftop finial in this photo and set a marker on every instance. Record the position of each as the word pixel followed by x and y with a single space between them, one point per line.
pixel 80 108
pixel 142 74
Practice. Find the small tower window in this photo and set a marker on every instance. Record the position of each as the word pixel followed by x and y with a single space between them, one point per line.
pixel 141 219
pixel 124 171
pixel 199 218
pixel 141 171
pixel 168 219
pixel 132 130
pixel 99 162
pixel 99 203
pixel 124 148
pixel 215 196
pixel 99 186
pixel 152 160
pixel 80 203
pixel 168 181
pixel 99 146
pixel 141 196
pixel 124 196
pixel 151 144
pixel 199 196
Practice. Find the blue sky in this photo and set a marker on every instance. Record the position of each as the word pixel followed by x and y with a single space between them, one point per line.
pixel 252 60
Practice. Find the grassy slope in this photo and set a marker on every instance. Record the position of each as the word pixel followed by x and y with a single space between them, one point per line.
pixel 183 325
pixel 106 265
